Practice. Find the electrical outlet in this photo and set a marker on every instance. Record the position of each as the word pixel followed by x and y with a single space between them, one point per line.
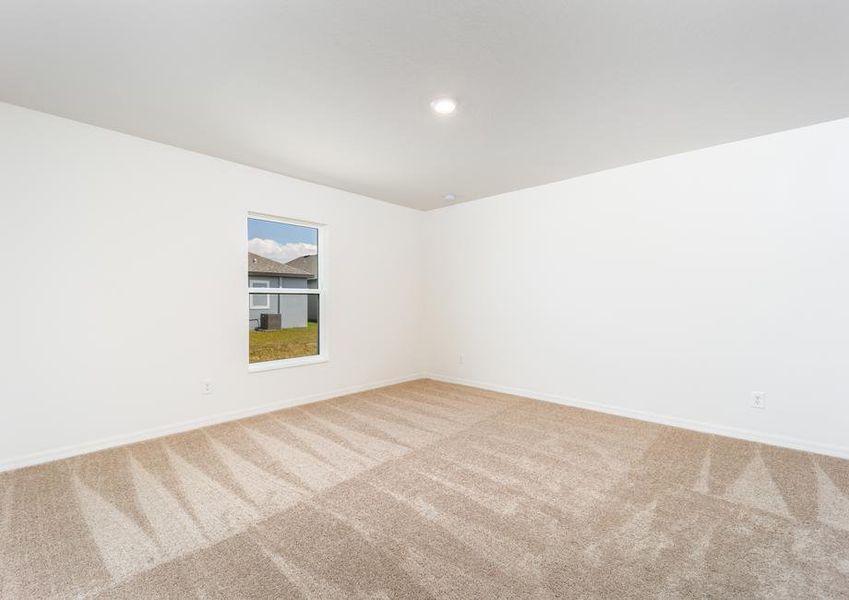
pixel 206 387
pixel 758 400
pixel 462 359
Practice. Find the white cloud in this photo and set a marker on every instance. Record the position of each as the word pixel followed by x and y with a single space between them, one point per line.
pixel 280 252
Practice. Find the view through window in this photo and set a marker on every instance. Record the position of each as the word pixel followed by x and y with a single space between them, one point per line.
pixel 283 290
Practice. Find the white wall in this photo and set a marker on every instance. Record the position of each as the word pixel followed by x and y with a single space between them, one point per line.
pixel 669 289
pixel 107 242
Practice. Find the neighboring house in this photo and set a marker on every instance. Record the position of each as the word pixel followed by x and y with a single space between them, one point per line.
pixel 309 263
pixel 266 273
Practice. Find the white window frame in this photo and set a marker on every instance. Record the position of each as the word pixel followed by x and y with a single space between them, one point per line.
pixel 321 291
pixel 260 284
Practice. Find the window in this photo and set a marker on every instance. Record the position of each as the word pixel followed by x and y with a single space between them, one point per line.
pixel 283 319
pixel 260 300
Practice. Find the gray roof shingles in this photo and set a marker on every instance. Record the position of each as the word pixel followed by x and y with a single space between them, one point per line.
pixel 308 263
pixel 265 266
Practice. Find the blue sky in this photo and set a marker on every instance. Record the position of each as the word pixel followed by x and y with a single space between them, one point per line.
pixel 280 241
pixel 282 233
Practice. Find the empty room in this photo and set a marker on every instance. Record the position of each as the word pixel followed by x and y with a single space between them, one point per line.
pixel 491 299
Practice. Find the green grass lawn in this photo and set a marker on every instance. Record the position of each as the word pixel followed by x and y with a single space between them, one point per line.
pixel 284 343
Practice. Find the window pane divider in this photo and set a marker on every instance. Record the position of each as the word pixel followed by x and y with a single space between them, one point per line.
pixel 282 291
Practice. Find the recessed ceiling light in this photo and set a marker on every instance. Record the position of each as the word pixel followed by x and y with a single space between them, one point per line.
pixel 449 197
pixel 444 106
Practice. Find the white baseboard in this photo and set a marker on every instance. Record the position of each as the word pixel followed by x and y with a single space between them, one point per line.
pixel 147 434
pixel 122 440
pixel 733 432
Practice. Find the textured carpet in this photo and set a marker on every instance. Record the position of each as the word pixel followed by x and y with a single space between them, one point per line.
pixel 429 490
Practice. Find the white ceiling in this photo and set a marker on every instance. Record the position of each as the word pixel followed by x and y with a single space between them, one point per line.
pixel 337 91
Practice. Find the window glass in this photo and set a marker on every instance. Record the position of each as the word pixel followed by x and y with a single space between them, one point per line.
pixel 283 322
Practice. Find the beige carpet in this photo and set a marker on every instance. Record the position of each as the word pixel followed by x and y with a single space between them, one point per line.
pixel 429 490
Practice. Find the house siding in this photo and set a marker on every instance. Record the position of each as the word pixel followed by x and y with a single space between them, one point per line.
pixel 294 309
pixel 312 301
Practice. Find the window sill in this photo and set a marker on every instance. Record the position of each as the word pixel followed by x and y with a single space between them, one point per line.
pixel 273 365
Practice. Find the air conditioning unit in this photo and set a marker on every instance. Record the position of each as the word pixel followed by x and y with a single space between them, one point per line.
pixel 270 321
